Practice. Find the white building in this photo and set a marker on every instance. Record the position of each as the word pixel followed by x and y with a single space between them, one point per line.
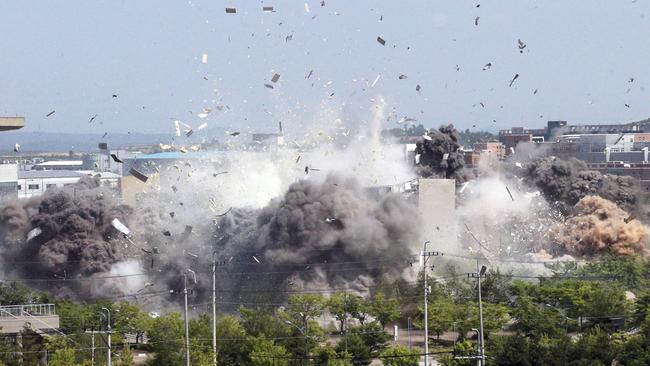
pixel 8 180
pixel 35 182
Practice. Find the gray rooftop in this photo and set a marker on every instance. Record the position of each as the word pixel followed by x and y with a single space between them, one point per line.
pixel 37 174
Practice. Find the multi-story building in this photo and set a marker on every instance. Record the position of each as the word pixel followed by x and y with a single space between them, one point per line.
pixel 32 183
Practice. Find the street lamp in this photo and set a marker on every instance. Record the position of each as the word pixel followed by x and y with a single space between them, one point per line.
pixel 108 331
pixel 302 331
pixel 478 275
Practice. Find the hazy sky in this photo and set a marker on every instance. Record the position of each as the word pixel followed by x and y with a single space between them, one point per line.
pixel 72 56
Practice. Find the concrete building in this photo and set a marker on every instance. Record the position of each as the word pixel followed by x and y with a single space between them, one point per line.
pixel 8 180
pixel 11 123
pixel 436 200
pixel 491 150
pixel 32 183
pixel 41 318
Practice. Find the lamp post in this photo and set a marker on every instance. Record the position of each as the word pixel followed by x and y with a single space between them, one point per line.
pixel 108 332
pixel 302 331
pixel 478 275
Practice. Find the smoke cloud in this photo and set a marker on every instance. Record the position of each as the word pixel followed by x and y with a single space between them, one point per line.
pixel 564 182
pixel 439 154
pixel 597 226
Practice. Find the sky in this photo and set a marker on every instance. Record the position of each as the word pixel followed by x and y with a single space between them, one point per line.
pixel 72 56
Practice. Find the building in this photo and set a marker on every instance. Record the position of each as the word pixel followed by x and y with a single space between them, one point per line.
pixel 8 180
pixel 436 199
pixel 40 318
pixel 491 150
pixel 32 183
pixel 11 123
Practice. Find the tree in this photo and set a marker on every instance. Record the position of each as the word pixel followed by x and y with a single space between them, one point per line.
pixel 305 307
pixel 259 322
pixel 128 318
pixel 343 306
pixel 442 314
pixel 126 357
pixel 231 352
pixel 166 340
pixel 63 357
pixel 401 356
pixel 384 310
pixel 265 353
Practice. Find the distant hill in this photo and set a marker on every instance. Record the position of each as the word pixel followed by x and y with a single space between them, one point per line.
pixel 64 142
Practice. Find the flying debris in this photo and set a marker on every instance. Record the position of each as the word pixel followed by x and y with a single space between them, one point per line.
pixel 418 88
pixel 630 80
pixel 521 45
pixel 119 226
pixel 116 159
pixel 138 175
pixel 34 233
pixel 381 41
pixel 231 10
pixel 267 9
pixel 510 194
pixel 166 233
pixel 275 78
pixel 627 105
pixel 189 132
pixel 426 137
pixel 513 80
pixel 49 114
pixel 204 58
pixel 92 118
pixel 233 133
pixel 254 257
pixel 462 188
pixel 16 147
pixel 268 86
pixel 309 75
pixel 375 81
pixel 476 20
pixel 487 66
pixel 534 91
pixel 402 77
pixel 297 159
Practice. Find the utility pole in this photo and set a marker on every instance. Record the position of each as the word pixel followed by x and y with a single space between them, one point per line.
pixel 214 308
pixel 423 262
pixel 92 362
pixel 481 347
pixel 187 323
pixel 108 332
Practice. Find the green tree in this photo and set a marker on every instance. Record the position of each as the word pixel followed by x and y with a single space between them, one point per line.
pixel 126 357
pixel 166 340
pixel 344 306
pixel 129 319
pixel 442 316
pixel 401 356
pixel 265 353
pixel 63 357
pixel 304 307
pixel 383 309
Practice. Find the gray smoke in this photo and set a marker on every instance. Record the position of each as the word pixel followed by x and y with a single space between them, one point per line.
pixel 564 182
pixel 440 156
pixel 327 234
pixel 76 239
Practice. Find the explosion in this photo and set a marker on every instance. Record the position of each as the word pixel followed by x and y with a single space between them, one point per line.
pixel 439 154
pixel 598 226
pixel 564 182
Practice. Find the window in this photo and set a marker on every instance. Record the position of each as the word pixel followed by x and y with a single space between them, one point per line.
pixel 19 187
pixel 32 186
pixel 50 185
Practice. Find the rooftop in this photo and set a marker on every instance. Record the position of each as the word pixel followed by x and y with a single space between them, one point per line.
pixel 36 174
pixel 11 123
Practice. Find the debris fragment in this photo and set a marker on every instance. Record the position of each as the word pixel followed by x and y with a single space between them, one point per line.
pixel 92 118
pixel 189 132
pixel 309 75
pixel 49 114
pixel 166 233
pixel 487 66
pixel 231 10
pixel 418 88
pixel 138 175
pixel 521 45
pixel 535 92
pixel 16 147
pixel 268 86
pixel 510 194
pixel 402 77
pixel 267 9
pixel 233 133
pixel 114 96
pixel 306 8
pixel 119 226
pixel 204 58
pixel 202 126
pixel 34 233
pixel 275 78
pixel 116 159
pixel 297 159
pixel 513 80
pixel 476 21
pixel 375 81
pixel 463 187
pixel 381 41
